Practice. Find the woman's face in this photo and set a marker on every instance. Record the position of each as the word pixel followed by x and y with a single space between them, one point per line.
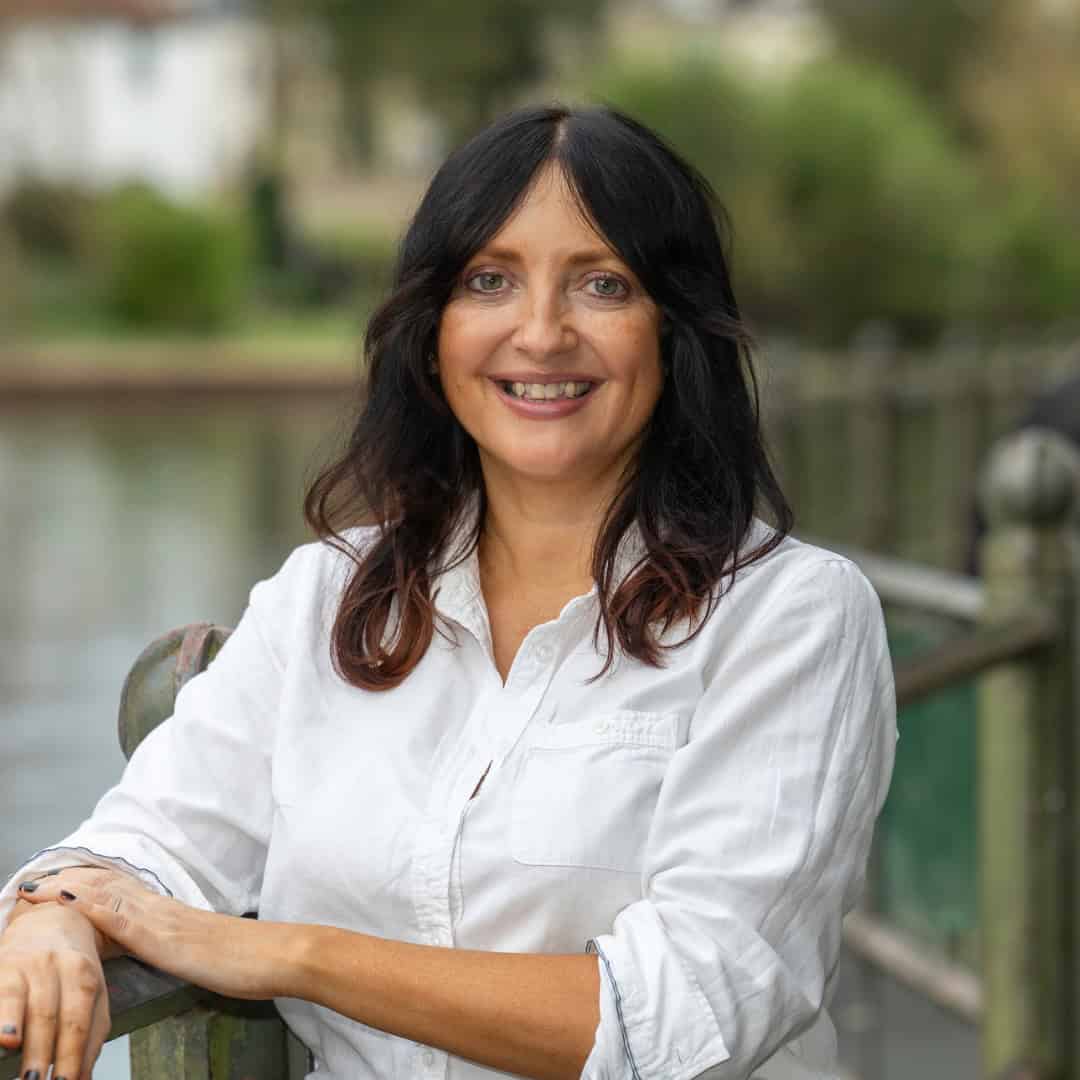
pixel 549 347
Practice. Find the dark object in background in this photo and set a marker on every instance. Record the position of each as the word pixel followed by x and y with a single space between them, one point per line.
pixel 299 272
pixel 1057 408
pixel 48 218
pixel 268 215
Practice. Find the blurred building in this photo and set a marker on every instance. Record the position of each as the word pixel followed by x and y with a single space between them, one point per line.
pixel 766 37
pixel 174 92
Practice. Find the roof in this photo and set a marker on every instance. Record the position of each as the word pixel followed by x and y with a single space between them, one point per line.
pixel 142 11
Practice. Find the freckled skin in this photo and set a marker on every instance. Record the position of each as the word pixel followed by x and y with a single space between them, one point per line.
pixel 542 312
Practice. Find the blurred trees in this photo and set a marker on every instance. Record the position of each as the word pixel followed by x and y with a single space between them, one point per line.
pixel 925 40
pixel 464 62
pixel 1005 75
pixel 1021 92
pixel 853 199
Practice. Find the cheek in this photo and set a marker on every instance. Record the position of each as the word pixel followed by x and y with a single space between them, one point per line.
pixel 639 351
pixel 462 334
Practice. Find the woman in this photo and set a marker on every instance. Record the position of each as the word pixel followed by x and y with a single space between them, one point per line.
pixel 549 758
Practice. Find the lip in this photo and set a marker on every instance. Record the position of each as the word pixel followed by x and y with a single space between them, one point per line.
pixel 543 377
pixel 544 410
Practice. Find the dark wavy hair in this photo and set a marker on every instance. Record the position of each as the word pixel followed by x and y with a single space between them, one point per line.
pixel 702 469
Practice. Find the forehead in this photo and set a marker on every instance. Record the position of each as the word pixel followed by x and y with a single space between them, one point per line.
pixel 550 218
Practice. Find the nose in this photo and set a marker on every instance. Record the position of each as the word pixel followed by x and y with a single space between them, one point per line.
pixel 545 325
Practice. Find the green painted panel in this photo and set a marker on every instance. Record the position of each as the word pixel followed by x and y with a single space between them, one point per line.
pixel 925 863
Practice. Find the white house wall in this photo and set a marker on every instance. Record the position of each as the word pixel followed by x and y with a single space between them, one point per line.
pixel 179 104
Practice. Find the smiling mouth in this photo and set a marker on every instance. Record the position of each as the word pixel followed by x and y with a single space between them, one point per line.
pixel 554 391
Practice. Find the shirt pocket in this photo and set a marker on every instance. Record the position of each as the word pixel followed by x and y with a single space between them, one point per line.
pixel 587 789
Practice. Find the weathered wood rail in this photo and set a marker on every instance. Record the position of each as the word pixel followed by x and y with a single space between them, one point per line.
pixel 1023 646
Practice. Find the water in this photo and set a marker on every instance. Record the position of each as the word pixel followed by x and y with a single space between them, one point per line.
pixel 116 527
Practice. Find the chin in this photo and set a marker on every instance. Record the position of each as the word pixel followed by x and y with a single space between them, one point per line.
pixel 544 467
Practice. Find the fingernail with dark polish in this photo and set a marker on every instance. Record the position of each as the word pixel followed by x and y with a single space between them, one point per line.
pixel 8 1029
pixel 68 895
pixel 51 873
pixel 28 886
pixel 31 1074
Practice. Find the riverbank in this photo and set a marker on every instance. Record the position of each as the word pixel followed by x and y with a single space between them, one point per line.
pixel 131 369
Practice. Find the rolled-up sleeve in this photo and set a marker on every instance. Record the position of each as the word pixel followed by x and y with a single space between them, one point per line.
pixel 759 843
pixel 192 812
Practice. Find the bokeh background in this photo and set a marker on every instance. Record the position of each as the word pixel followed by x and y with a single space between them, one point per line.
pixel 199 206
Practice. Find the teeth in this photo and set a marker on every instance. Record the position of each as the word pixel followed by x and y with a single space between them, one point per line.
pixel 546 391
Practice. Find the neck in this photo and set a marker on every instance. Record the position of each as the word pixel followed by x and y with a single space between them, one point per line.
pixel 541 536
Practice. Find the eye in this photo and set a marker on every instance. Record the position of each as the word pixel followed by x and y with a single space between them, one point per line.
pixel 489 281
pixel 609 287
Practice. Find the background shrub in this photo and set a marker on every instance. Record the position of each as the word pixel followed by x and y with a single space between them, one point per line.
pixel 169 266
pixel 876 200
pixel 48 219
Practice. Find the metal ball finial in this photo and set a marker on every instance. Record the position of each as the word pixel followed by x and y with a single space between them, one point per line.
pixel 1031 477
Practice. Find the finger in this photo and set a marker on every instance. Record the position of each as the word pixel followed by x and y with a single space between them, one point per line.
pixel 48 885
pixel 42 1008
pixel 80 985
pixel 99 1032
pixel 12 1010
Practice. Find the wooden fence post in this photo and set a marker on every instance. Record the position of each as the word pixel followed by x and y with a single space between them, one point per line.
pixel 1026 763
pixel 872 430
pixel 958 425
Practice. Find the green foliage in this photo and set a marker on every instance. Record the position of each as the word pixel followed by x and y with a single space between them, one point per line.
pixel 706 111
pixel 875 199
pixel 169 266
pixel 1031 271
pixel 925 40
pixel 47 218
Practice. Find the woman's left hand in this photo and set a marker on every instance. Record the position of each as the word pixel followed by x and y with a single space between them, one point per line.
pixel 236 957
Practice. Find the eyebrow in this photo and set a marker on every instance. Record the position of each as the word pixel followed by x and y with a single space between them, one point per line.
pixel 509 255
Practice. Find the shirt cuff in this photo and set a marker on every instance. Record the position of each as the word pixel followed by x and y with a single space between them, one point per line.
pixel 655 1021
pixel 56 858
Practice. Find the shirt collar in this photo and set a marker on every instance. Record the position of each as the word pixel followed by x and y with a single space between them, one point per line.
pixel 456 580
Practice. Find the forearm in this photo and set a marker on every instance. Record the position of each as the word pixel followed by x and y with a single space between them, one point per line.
pixel 531 1014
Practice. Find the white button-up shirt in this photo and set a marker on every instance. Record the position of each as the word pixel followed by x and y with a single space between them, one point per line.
pixel 701 827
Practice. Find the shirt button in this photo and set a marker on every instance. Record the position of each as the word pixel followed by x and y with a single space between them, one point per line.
pixel 429 1058
pixel 600 726
pixel 543 652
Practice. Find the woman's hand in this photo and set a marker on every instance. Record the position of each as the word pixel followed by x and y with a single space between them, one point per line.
pixel 236 957
pixel 53 993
